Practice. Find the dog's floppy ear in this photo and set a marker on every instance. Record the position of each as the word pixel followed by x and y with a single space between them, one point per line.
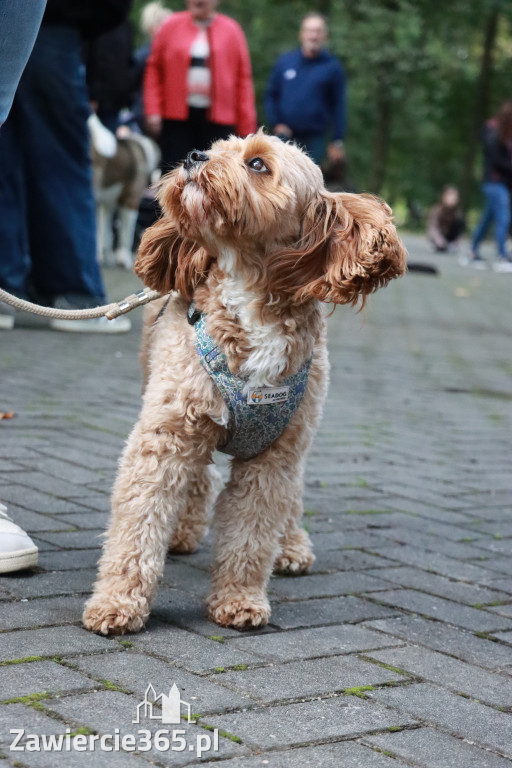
pixel 166 261
pixel 349 248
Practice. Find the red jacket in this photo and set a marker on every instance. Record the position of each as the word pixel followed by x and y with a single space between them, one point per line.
pixel 165 81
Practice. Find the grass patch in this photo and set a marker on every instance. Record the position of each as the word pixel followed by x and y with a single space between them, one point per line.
pixel 368 512
pixel 126 643
pixel 358 691
pixel 309 512
pixel 224 734
pixel 32 700
pixel 239 667
pixel 217 638
pixel 24 660
pixel 218 670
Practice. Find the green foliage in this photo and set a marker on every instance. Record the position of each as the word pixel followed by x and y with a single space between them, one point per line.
pixel 414 71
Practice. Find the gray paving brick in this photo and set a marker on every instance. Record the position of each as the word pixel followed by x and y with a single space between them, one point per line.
pixel 310 643
pixel 39 677
pixel 348 754
pixel 34 584
pixel 430 561
pixel 307 678
pixel 44 612
pixel 439 585
pixel 68 560
pixel 185 649
pixel 459 676
pixel 446 610
pixel 326 611
pixel 440 637
pixel 429 748
pixel 52 641
pixel 301 723
pixel 465 718
pixel 324 586
pixel 135 671
pixel 90 539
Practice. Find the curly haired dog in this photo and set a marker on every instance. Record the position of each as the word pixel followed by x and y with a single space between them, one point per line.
pixel 252 238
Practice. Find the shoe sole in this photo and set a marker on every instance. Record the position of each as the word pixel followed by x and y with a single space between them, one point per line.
pixel 80 326
pixel 6 322
pixel 17 561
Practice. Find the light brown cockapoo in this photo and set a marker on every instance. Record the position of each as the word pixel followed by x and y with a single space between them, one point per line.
pixel 251 242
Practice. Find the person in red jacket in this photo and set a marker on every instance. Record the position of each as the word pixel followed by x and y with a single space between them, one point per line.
pixel 198 82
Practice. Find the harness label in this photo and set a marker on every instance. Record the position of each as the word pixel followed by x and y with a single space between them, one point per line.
pixel 267 395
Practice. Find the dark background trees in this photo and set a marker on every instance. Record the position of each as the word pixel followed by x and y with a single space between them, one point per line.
pixel 423 77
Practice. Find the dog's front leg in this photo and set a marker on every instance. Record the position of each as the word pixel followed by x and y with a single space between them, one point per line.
pixel 250 516
pixel 149 493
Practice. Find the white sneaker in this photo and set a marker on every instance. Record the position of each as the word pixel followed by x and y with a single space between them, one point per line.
pixel 17 550
pixel 119 324
pixel 502 265
pixel 6 317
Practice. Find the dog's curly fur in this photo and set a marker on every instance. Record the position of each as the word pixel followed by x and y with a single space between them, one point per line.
pixel 251 235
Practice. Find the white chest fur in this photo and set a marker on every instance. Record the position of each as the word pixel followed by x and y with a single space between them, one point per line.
pixel 269 344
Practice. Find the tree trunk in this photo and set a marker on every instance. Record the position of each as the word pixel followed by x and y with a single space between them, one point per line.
pixel 482 105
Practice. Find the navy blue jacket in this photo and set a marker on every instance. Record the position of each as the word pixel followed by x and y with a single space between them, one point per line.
pixel 308 95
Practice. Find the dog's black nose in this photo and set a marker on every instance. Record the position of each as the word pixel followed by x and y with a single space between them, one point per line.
pixel 195 157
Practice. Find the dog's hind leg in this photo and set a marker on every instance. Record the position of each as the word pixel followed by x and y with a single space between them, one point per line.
pixel 295 554
pixel 126 232
pixel 150 491
pixel 193 519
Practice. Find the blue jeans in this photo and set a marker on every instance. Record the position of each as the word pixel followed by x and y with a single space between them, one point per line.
pixel 497 208
pixel 19 22
pixel 47 210
pixel 312 143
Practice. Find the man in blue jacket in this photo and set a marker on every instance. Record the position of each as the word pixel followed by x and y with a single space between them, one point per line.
pixel 306 94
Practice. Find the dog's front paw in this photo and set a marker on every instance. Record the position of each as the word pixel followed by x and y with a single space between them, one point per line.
pixel 108 616
pixel 296 556
pixel 239 611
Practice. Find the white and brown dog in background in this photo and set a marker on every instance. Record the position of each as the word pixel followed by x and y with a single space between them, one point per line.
pixel 123 167
pixel 250 234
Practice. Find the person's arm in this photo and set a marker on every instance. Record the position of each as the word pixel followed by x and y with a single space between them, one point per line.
pixel 336 149
pixel 153 84
pixel 246 116
pixel 434 233
pixel 19 25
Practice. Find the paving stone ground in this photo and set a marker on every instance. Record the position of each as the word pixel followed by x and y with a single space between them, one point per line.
pixel 396 651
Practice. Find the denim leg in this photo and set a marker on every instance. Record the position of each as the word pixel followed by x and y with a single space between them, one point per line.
pixel 313 144
pixel 14 259
pixel 485 220
pixel 19 22
pixel 502 215
pixel 53 107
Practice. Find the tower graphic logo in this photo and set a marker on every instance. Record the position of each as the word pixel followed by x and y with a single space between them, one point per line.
pixel 171 706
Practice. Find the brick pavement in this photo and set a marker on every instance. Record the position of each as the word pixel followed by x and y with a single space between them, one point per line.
pixel 396 651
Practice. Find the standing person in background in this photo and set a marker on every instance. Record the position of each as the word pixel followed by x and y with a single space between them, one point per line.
pixel 19 24
pixel 198 84
pixel 47 209
pixel 306 94
pixel 151 19
pixel 496 187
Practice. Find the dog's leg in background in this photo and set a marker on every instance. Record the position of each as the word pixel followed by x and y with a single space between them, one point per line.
pixel 126 233
pixel 193 519
pixel 105 235
pixel 295 554
pixel 149 494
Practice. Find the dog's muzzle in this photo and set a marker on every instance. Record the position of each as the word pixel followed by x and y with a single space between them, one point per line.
pixel 195 158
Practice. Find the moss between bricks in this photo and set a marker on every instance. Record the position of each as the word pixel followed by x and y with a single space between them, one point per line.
pixel 126 643
pixel 24 660
pixel 110 686
pixel 217 638
pixel 224 734
pixel 358 691
pixel 32 700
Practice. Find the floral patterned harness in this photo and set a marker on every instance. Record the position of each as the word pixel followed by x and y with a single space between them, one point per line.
pixel 258 416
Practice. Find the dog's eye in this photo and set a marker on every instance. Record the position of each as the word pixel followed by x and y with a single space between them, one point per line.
pixel 257 164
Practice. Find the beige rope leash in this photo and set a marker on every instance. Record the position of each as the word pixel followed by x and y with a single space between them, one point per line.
pixel 109 311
